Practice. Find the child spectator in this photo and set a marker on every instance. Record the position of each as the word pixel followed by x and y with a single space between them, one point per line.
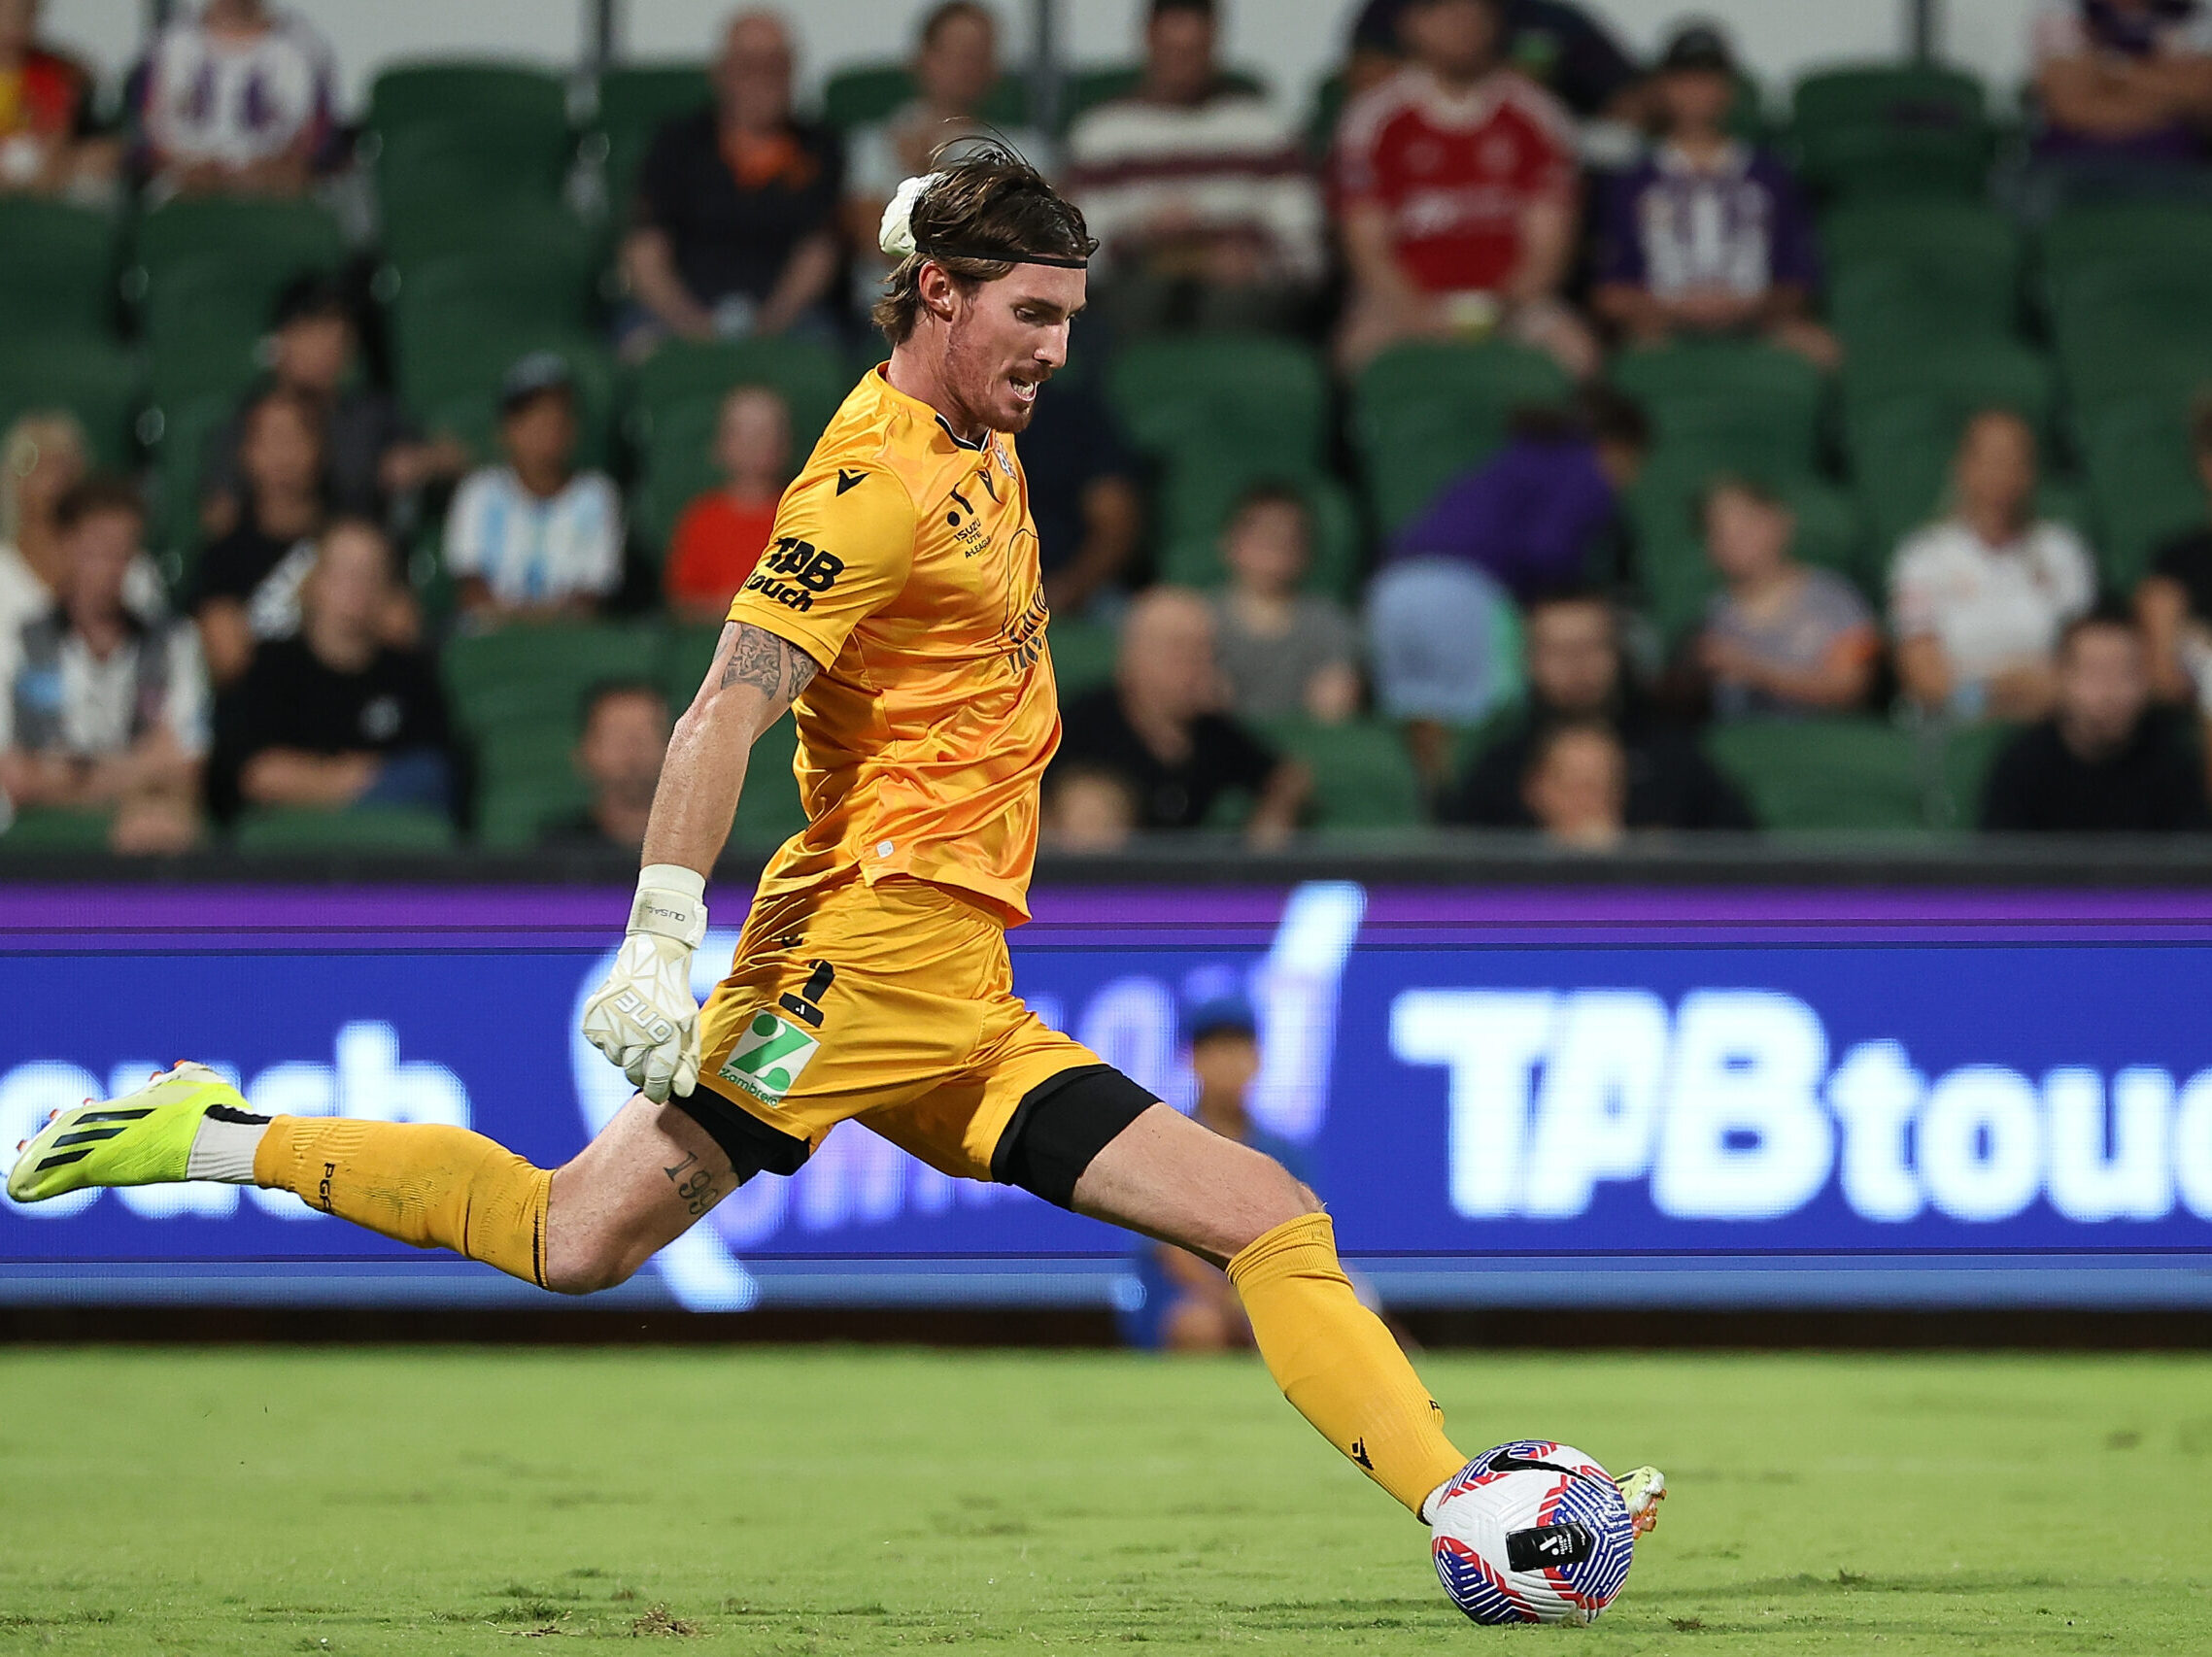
pixel 47 136
pixel 247 587
pixel 374 456
pixel 1088 810
pixel 1207 213
pixel 335 717
pixel 955 67
pixel 1780 639
pixel 103 710
pixel 1458 185
pixel 2174 602
pixel 1575 787
pixel 619 754
pixel 536 539
pixel 1159 727
pixel 1707 236
pixel 42 458
pixel 2105 761
pixel 1977 601
pixel 1575 674
pixel 237 100
pixel 720 537
pixel 1283 651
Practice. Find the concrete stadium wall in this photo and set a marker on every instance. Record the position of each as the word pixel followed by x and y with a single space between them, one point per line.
pixel 1294 40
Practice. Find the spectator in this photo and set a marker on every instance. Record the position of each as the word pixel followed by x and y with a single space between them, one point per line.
pixel 237 101
pixel 536 539
pixel 2174 602
pixel 735 226
pixel 373 455
pixel 2125 87
pixel 47 141
pixel 1198 194
pixel 334 717
pixel 1707 236
pixel 2105 761
pixel 1459 192
pixel 719 538
pixel 1575 674
pixel 247 587
pixel 42 458
pixel 1187 1304
pixel 1088 809
pixel 1977 601
pixel 1780 639
pixel 105 710
pixel 1283 651
pixel 1576 789
pixel 1558 46
pixel 1544 512
pixel 1159 727
pixel 956 66
pixel 619 754
pixel 1084 494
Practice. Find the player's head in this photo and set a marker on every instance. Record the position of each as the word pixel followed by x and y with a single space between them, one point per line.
pixel 990 275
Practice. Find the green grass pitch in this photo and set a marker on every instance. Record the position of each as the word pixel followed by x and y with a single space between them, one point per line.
pixel 840 1500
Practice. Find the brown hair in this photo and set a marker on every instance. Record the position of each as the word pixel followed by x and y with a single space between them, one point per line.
pixel 938 16
pixel 89 498
pixel 992 200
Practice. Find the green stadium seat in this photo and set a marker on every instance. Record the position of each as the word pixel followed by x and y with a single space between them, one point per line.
pixel 491 92
pixel 1809 775
pixel 1933 233
pixel 44 832
pixel 266 242
pixel 1190 554
pixel 95 379
pixel 1363 777
pixel 1891 130
pixel 1254 393
pixel 437 171
pixel 365 829
pixel 1967 756
pixel 1892 305
pixel 812 377
pixel 1422 414
pixel 182 434
pixel 2150 235
pixel 526 778
pixel 1082 655
pixel 58 277
pixel 635 100
pixel 2143 483
pixel 768 809
pixel 532 674
pixel 549 288
pixel 449 371
pixel 868 93
pixel 675 466
pixel 687 652
pixel 1757 403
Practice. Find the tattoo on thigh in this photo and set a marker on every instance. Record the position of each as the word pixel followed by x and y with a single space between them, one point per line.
pixel 698 1191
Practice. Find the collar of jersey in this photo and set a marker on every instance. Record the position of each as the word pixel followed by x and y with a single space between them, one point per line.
pixel 974 445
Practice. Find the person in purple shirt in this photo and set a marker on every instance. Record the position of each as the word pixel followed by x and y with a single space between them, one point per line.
pixel 1707 235
pixel 2122 85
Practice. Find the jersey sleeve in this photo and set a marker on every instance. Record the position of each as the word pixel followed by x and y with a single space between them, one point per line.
pixel 843 548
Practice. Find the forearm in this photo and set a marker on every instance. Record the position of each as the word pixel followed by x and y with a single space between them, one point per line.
pixel 1375 266
pixel 291 776
pixel 651 267
pixel 1276 816
pixel 806 277
pixel 1635 311
pixel 1548 244
pixel 753 678
pixel 1925 671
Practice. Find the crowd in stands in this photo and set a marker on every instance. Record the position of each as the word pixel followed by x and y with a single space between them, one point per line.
pixel 1508 441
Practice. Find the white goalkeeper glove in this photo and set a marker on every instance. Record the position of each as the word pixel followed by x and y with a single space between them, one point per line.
pixel 643 1016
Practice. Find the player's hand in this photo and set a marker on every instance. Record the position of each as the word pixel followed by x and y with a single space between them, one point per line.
pixel 643 1016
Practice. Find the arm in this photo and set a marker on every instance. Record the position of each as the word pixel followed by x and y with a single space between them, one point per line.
pixel 1276 816
pixel 649 266
pixel 1839 680
pixel 1637 312
pixel 1547 248
pixel 2162 606
pixel 226 639
pixel 292 776
pixel 2086 95
pixel 1373 262
pixel 1925 670
pixel 1113 518
pixel 805 277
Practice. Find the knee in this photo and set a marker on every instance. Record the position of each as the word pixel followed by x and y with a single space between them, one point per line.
pixel 586 1265
pixel 1274 1198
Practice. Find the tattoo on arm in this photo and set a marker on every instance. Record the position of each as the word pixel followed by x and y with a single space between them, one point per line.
pixel 758 658
pixel 697 1191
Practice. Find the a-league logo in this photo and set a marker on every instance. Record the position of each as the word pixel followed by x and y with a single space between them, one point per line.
pixel 768 1056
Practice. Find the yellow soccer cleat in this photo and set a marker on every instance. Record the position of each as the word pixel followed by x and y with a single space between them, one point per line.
pixel 144 1138
pixel 1642 1490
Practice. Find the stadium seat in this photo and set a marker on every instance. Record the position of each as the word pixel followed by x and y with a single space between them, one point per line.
pixel 437 172
pixel 181 434
pixel 369 829
pixel 635 100
pixel 1082 655
pixel 58 277
pixel 46 830
pixel 812 376
pixel 534 673
pixel 526 778
pixel 1363 777
pixel 1891 129
pixel 1757 403
pixel 1423 412
pixel 1967 755
pixel 675 464
pixel 768 810
pixel 450 372
pixel 1968 237
pixel 95 379
pixel 686 652
pixel 2143 483
pixel 1190 549
pixel 546 286
pixel 1895 304
pixel 491 92
pixel 867 92
pixel 1803 775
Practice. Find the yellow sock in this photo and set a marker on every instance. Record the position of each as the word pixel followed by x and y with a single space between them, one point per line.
pixel 422 1182
pixel 1336 1364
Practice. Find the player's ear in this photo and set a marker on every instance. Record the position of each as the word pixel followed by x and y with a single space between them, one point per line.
pixel 936 286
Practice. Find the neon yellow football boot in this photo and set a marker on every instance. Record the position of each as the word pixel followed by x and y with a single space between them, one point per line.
pixel 144 1138
pixel 1643 1489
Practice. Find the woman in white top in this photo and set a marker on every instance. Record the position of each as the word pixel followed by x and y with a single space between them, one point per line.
pixel 1978 599
pixel 42 456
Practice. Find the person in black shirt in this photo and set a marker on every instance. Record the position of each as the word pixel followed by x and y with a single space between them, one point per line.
pixel 625 738
pixel 735 220
pixel 2174 602
pixel 2105 761
pixel 1159 727
pixel 247 586
pixel 334 717
pixel 1575 673
pixel 1083 492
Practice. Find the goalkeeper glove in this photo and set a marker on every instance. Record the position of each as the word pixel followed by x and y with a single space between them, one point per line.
pixel 643 1016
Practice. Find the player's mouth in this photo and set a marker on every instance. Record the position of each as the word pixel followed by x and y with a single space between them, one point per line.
pixel 1024 389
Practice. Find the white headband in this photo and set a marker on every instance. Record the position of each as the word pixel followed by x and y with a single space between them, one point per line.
pixel 896 235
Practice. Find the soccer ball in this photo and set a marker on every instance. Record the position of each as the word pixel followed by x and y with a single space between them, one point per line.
pixel 1532 1532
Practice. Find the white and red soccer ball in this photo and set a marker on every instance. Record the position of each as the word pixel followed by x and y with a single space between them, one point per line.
pixel 1532 1532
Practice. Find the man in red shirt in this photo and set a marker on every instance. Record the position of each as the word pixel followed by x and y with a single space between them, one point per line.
pixel 1457 184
